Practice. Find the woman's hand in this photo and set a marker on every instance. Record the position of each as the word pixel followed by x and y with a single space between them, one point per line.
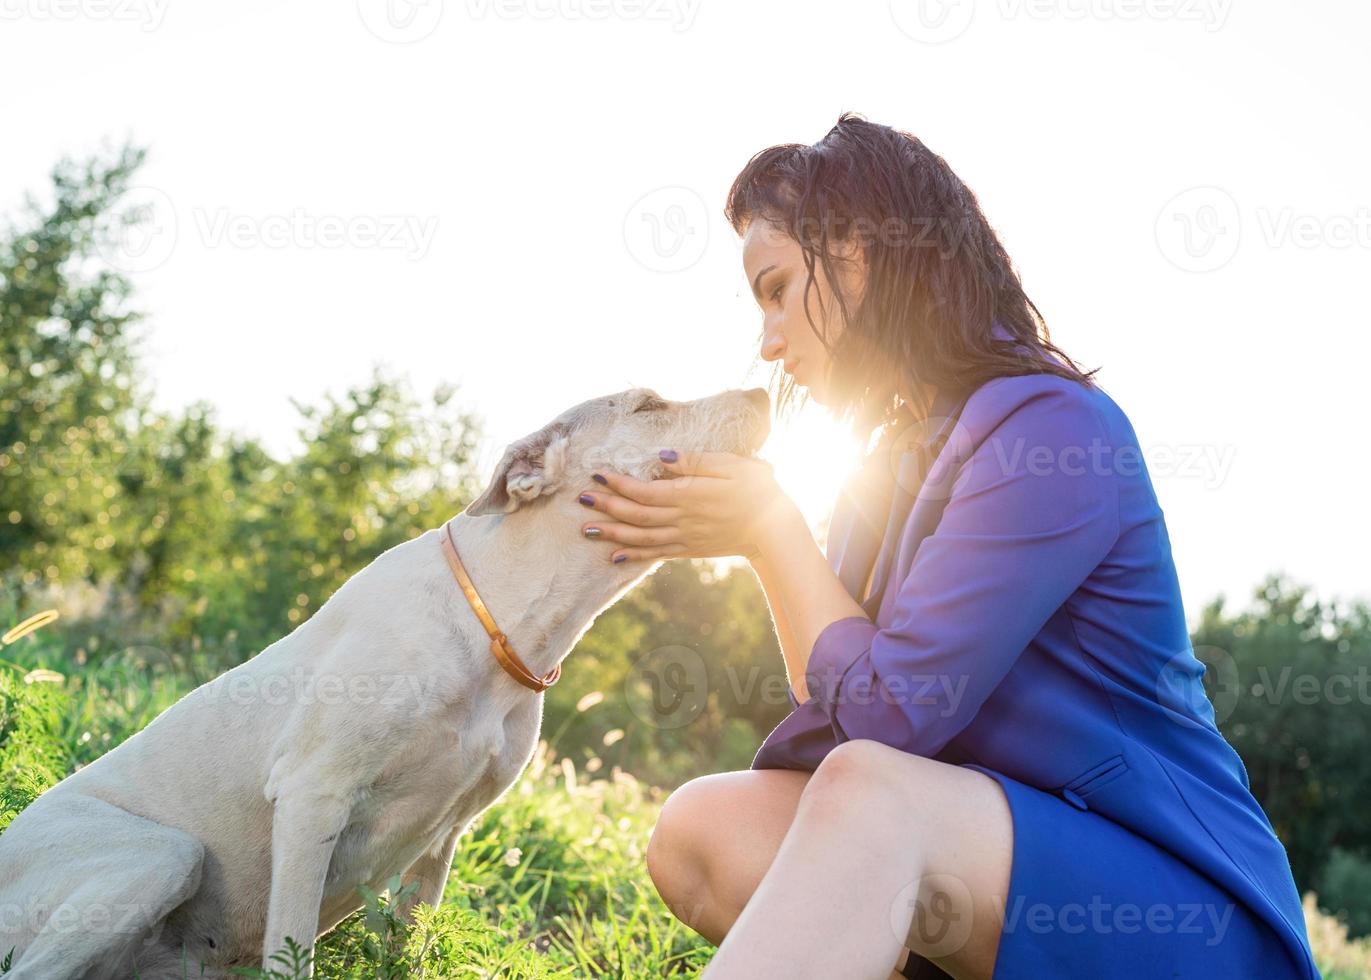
pixel 709 505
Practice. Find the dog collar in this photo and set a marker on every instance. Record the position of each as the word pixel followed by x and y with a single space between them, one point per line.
pixel 499 643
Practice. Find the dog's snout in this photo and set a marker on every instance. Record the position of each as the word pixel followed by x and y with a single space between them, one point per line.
pixel 760 402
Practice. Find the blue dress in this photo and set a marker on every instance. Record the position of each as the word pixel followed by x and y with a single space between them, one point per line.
pixel 1033 631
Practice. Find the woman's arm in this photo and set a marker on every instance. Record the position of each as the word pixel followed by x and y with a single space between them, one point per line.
pixel 794 667
pixel 802 590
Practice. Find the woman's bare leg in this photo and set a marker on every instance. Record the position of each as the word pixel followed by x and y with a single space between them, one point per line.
pixel 783 868
pixel 714 840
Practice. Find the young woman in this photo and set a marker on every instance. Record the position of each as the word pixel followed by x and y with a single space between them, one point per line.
pixel 1000 760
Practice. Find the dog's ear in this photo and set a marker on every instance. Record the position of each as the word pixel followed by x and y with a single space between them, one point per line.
pixel 531 467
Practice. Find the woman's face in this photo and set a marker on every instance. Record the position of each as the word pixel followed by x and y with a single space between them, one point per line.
pixel 774 265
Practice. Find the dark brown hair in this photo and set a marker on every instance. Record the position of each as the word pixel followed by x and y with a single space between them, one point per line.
pixel 938 279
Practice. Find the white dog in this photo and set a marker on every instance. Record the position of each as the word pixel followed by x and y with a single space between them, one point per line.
pixel 360 745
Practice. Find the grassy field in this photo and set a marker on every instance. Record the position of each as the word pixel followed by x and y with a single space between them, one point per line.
pixel 549 882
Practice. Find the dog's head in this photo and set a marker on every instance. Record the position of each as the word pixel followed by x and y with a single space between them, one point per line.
pixel 622 432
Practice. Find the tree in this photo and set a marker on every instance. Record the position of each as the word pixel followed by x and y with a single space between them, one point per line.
pixel 69 400
pixel 1298 716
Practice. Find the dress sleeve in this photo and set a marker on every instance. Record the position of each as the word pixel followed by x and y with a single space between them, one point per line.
pixel 1033 510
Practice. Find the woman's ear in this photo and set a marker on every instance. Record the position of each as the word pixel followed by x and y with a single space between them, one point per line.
pixel 530 468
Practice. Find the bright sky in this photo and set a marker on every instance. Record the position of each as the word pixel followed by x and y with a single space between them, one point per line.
pixel 524 197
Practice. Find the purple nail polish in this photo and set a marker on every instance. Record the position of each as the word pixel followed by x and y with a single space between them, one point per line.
pixel 600 480
pixel 619 558
pixel 587 499
pixel 668 455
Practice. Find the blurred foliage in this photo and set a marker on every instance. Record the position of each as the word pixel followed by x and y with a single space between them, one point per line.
pixel 1296 683
pixel 1344 889
pixel 166 511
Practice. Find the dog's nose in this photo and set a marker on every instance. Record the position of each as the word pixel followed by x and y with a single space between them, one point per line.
pixel 759 398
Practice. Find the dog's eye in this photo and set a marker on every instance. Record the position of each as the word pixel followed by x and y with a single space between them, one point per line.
pixel 650 404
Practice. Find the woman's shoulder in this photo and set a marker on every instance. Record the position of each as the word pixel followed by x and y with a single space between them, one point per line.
pixel 1041 399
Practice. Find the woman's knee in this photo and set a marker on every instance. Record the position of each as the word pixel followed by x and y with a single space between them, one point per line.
pixel 716 835
pixel 856 769
pixel 675 861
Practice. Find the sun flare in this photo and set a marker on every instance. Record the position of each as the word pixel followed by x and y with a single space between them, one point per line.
pixel 811 455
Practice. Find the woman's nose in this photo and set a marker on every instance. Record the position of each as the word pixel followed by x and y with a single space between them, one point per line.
pixel 773 347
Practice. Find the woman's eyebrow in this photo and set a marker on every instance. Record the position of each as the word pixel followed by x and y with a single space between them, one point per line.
pixel 757 282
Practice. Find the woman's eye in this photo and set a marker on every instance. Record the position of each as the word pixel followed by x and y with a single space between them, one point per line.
pixel 776 293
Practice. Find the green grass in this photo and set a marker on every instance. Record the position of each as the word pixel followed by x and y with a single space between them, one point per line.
pixel 550 882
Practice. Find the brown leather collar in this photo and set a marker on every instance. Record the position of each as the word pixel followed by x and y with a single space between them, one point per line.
pixel 499 643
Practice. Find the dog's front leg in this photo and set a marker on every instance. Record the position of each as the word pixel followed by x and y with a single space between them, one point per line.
pixel 304 828
pixel 431 872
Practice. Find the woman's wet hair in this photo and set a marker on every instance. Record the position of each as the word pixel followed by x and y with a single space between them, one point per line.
pixel 937 277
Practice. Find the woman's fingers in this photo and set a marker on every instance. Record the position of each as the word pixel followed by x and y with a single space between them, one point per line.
pixel 628 534
pixel 688 463
pixel 655 493
pixel 629 511
pixel 648 554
